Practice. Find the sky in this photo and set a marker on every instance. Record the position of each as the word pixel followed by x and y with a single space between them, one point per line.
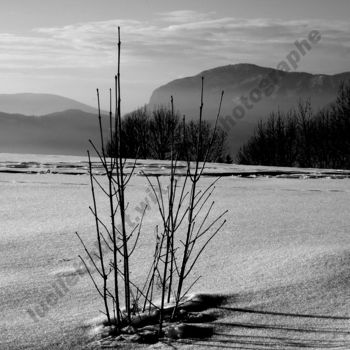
pixel 68 47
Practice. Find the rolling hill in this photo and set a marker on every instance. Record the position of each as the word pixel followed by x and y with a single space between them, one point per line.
pixel 65 132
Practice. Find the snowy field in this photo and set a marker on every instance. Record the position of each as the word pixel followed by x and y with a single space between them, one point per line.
pixel 283 258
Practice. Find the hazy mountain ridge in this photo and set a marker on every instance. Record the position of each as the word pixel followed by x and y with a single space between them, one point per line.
pixel 65 132
pixel 38 104
pixel 240 80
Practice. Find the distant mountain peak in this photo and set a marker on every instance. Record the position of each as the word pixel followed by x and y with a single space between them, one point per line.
pixel 37 104
pixel 243 77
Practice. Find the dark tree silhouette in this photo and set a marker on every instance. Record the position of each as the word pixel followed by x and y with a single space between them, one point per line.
pixel 303 138
pixel 149 135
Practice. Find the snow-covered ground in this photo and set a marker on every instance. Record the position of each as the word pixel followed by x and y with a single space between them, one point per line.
pixel 283 257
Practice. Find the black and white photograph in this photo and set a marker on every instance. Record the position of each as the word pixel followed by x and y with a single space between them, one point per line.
pixel 174 174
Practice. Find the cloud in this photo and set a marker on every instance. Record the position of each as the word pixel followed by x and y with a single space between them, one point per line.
pixel 183 16
pixel 199 39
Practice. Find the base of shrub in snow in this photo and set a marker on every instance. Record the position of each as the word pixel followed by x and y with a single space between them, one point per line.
pixel 192 321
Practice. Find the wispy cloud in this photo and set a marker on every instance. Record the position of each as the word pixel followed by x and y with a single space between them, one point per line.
pixel 177 37
pixel 184 16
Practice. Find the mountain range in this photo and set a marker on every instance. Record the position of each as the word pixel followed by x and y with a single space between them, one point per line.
pixel 51 124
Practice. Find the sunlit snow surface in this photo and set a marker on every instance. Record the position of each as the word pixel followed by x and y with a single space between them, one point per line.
pixel 284 253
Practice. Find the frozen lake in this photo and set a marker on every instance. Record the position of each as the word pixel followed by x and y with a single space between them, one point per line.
pixel 285 249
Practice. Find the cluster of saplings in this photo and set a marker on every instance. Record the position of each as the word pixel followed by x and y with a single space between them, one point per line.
pixel 303 138
pixel 155 306
pixel 149 135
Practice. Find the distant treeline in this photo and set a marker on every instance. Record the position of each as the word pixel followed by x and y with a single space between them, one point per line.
pixel 303 138
pixel 149 135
